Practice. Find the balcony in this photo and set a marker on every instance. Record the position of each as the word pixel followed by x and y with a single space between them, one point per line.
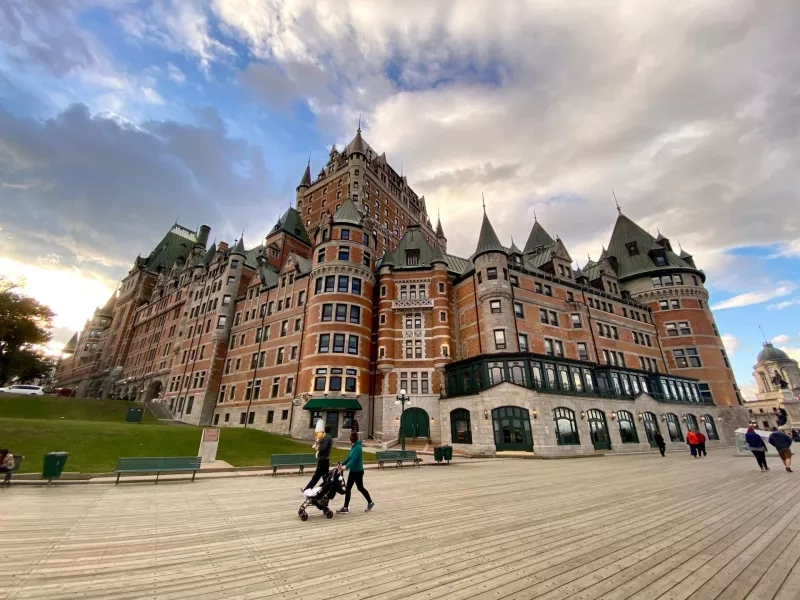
pixel 412 304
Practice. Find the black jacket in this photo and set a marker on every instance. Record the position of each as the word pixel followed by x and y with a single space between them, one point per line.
pixel 659 439
pixel 325 446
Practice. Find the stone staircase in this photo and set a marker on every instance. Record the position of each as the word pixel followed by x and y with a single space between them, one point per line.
pixel 159 411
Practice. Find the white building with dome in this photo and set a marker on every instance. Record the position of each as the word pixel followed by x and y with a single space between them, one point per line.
pixel 778 379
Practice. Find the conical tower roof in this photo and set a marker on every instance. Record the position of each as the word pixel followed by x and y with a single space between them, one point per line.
pixel 239 247
pixel 357 146
pixel 306 180
pixel 347 213
pixel 292 223
pixel 488 240
pixel 210 254
pixel 513 249
pixel 108 309
pixel 438 255
pixel 387 260
pixel 71 345
pixel 439 229
pixel 538 238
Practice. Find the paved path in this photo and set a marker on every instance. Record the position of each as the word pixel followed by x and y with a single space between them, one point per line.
pixel 611 528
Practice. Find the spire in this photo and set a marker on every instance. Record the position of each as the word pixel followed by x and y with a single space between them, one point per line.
pixel 108 309
pixel 514 249
pixel 619 210
pixel 357 146
pixel 306 180
pixel 439 229
pixel 538 238
pixel 487 240
pixel 438 254
pixel 210 254
pixel 239 247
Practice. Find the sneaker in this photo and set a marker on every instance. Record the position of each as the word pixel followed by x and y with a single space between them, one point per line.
pixel 344 509
pixel 370 506
pixel 789 470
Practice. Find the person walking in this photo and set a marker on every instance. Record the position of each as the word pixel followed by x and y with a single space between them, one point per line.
pixel 701 444
pixel 355 463
pixel 691 439
pixel 757 447
pixel 659 440
pixel 782 443
pixel 323 458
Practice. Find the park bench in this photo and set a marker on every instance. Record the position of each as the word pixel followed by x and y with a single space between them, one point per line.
pixel 158 465
pixel 292 460
pixel 18 458
pixel 398 456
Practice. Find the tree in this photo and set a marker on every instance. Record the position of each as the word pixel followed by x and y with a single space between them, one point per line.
pixel 24 325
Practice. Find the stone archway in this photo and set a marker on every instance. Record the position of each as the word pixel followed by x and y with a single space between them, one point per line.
pixel 154 390
pixel 95 389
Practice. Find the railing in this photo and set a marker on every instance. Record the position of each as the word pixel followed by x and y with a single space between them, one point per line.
pixel 412 303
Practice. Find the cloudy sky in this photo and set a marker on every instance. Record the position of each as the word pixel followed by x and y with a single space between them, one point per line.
pixel 119 116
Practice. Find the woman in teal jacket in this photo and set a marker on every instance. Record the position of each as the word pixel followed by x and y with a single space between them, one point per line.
pixel 355 463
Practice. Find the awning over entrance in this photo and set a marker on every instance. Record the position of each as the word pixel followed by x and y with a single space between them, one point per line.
pixel 332 404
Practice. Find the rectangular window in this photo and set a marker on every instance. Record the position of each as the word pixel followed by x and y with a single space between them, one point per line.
pixel 279 357
pixel 344 283
pixel 519 311
pixel 276 386
pixel 523 342
pixel 684 328
pixel 257 389
pixel 672 329
pixel 543 316
pixel 553 318
pixel 355 314
pixel 251 418
pixel 189 405
pixel 284 414
pixel 356 286
pixel 341 312
pixel 442 316
pixel 344 253
pixel 338 342
pixel 576 321
pixel 284 328
pixel 242 418
pixel 548 291
pixel 367 259
pixel 324 342
pixel 441 288
pixel 330 283
pixel 514 280
pixel 290 385
pixel 327 312
pixel 270 416
pixel 226 300
pixel 221 322
pixel 499 339
pixel 345 234
pixel 559 348
pixel 680 359
pixel 548 347
pixel 412 258
pixel 537 287
pixel 231 280
pixel 491 273
pixel 318 285
pixel 494 306
pixel 582 353
pixel 352 344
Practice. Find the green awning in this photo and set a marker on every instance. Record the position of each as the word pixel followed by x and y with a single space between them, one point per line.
pixel 332 404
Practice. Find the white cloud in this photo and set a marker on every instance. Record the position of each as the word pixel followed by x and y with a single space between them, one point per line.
pixel 750 298
pixel 731 343
pixel 748 389
pixel 781 339
pixel 784 304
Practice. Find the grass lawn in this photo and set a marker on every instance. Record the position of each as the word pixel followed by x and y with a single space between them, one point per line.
pixel 95 435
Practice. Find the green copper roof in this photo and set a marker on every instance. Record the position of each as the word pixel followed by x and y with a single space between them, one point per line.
pixel 538 237
pixel 457 265
pixel 487 240
pixel 357 145
pixel 239 247
pixel 438 255
pixel 347 214
pixel 641 261
pixel 178 242
pixel 413 240
pixel 291 223
pixel 210 254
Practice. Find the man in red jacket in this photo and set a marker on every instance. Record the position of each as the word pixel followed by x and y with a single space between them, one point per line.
pixel 691 439
pixel 701 445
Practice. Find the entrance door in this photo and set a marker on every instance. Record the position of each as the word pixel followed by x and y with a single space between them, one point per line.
pixel 651 428
pixel 415 424
pixel 512 429
pixel 332 421
pixel 598 429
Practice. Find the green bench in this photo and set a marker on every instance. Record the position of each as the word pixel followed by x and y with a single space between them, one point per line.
pixel 18 458
pixel 158 465
pixel 292 460
pixel 398 456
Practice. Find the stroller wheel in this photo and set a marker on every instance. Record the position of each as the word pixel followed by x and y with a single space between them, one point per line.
pixel 303 514
pixel 329 514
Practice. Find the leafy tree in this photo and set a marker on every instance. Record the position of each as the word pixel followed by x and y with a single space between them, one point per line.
pixel 24 325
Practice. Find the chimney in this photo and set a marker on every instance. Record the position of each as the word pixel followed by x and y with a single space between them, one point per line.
pixel 222 247
pixel 202 236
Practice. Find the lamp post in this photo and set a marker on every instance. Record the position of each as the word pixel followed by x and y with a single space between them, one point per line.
pixel 402 400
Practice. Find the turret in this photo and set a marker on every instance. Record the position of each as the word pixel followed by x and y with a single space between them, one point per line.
pixel 440 237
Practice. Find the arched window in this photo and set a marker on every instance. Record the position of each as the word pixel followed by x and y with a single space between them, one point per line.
pixel 517 373
pixel 691 422
pixel 496 373
pixel 674 427
pixel 460 426
pixel 711 428
pixel 627 427
pixel 650 427
pixel 551 377
pixel 566 427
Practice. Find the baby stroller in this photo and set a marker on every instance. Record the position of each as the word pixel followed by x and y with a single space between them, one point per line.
pixel 320 496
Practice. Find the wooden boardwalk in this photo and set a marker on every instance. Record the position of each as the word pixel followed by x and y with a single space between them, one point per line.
pixel 604 528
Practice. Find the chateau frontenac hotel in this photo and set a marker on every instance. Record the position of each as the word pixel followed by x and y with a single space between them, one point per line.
pixel 353 297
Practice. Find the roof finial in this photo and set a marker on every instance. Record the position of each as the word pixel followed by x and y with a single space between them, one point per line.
pixel 359 123
pixel 309 159
pixel 535 218
pixel 619 210
pixel 484 203
pixel 178 216
pixel 762 334
pixel 679 246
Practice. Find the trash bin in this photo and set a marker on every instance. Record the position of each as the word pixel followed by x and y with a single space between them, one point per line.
pixel 438 454
pixel 134 415
pixel 53 465
pixel 447 453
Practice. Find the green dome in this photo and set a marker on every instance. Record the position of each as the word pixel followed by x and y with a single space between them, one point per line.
pixel 770 352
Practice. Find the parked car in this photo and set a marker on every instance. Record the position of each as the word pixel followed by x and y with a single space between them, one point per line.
pixel 24 390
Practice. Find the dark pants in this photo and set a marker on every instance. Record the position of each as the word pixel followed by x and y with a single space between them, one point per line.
pixel 323 466
pixel 693 449
pixel 761 458
pixel 5 470
pixel 357 479
pixel 701 449
pixel 662 449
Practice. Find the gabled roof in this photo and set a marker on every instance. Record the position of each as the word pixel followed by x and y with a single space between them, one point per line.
pixel 626 232
pixel 251 256
pixel 487 239
pixel 178 242
pixel 458 265
pixel 292 223
pixel 347 213
pixel 71 345
pixel 538 237
pixel 413 239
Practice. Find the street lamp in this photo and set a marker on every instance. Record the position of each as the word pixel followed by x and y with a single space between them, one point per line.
pixel 402 400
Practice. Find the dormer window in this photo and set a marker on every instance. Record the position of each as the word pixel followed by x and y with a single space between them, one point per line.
pixel 412 258
pixel 660 260
pixel 632 248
